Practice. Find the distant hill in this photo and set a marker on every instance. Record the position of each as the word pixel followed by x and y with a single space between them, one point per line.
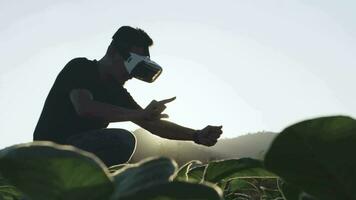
pixel 252 145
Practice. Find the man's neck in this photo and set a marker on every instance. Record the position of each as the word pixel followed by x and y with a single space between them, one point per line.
pixel 105 66
pixel 102 69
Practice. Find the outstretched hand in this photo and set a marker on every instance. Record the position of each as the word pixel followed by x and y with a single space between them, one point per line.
pixel 208 136
pixel 154 110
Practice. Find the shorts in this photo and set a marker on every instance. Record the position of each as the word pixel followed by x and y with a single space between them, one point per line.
pixel 113 146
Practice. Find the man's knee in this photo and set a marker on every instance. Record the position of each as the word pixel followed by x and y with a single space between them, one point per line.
pixel 121 136
pixel 122 148
pixel 112 146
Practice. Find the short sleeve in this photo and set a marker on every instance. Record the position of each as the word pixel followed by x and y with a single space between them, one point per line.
pixel 77 74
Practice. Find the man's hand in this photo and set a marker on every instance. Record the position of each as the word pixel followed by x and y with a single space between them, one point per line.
pixel 208 136
pixel 154 110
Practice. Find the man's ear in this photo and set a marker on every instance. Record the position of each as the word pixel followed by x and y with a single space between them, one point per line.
pixel 117 56
pixel 118 61
pixel 138 50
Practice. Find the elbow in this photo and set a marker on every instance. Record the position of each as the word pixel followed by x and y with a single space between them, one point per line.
pixel 81 100
pixel 82 113
pixel 82 110
pixel 88 114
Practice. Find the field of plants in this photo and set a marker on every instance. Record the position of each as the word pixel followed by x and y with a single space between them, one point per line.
pixel 313 159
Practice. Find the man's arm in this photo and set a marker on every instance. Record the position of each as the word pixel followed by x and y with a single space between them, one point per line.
pixel 207 136
pixel 87 107
pixel 148 118
pixel 167 129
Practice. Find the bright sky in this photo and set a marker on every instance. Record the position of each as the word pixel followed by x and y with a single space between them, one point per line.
pixel 246 65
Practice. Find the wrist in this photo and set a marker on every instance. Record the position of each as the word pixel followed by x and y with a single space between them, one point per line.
pixel 139 114
pixel 196 137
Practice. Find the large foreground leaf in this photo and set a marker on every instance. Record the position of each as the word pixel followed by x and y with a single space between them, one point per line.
pixel 224 170
pixel 8 191
pixel 177 191
pixel 137 177
pixel 252 188
pixel 182 173
pixel 196 174
pixel 44 171
pixel 114 168
pixel 317 156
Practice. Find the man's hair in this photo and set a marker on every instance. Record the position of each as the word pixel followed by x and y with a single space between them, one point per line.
pixel 127 37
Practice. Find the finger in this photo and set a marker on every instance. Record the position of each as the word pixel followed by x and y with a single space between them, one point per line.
pixel 167 100
pixel 217 130
pixel 154 107
pixel 158 117
pixel 156 113
pixel 213 128
pixel 204 141
pixel 213 137
pixel 160 108
pixel 208 141
pixel 163 116
pixel 216 127
pixel 215 133
pixel 152 104
pixel 211 143
pixel 215 140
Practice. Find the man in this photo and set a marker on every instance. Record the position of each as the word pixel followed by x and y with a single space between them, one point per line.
pixel 89 94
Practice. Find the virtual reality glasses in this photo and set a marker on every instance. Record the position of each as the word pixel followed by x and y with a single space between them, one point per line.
pixel 142 67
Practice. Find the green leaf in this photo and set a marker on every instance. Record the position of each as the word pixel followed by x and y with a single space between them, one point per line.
pixel 196 174
pixel 317 156
pixel 44 170
pixel 254 188
pixel 115 168
pixel 182 173
pixel 178 191
pixel 220 171
pixel 132 179
pixel 241 184
pixel 10 192
pixel 2 180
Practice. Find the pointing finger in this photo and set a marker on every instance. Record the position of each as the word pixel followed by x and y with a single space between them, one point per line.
pixel 167 100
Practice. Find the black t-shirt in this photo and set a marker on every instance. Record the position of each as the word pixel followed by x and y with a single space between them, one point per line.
pixel 58 119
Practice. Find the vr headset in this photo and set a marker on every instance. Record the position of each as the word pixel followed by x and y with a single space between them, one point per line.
pixel 142 67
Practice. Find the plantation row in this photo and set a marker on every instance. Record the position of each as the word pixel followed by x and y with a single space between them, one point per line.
pixel 312 159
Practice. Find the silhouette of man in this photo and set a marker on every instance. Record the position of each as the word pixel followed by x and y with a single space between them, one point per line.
pixel 87 95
